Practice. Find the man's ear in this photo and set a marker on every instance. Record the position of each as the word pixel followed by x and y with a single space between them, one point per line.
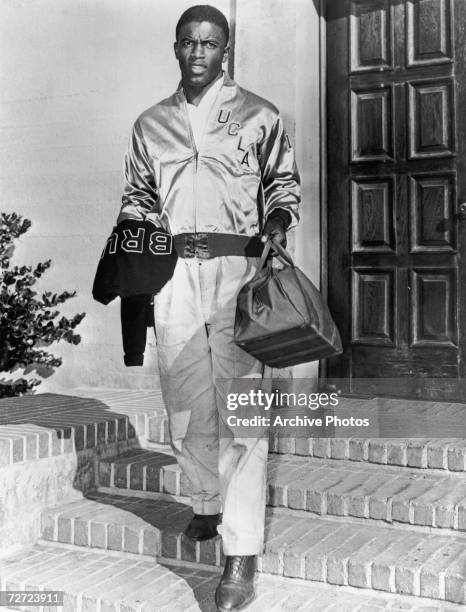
pixel 225 53
pixel 175 48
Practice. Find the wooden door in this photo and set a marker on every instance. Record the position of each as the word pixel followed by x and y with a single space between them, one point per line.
pixel 396 110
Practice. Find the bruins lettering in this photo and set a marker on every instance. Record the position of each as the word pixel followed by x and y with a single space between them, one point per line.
pixel 159 243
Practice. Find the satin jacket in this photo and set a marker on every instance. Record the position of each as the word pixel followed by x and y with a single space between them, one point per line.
pixel 243 170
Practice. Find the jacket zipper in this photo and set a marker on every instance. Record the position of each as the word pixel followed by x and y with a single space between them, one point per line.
pixel 196 153
pixel 196 160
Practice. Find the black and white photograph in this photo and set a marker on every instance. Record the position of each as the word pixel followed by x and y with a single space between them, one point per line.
pixel 233 305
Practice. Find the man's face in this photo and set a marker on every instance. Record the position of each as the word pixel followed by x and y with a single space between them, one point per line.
pixel 200 50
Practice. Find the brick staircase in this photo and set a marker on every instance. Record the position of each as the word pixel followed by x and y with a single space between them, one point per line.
pixel 352 524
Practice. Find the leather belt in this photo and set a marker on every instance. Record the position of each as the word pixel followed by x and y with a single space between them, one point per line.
pixel 205 245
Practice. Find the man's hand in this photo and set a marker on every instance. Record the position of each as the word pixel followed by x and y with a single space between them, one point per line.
pixel 275 227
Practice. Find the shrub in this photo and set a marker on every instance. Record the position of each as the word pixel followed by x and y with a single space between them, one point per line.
pixel 28 322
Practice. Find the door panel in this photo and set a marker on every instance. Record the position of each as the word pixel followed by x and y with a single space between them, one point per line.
pixel 429 28
pixel 396 160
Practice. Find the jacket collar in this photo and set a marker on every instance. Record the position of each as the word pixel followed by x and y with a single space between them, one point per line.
pixel 227 90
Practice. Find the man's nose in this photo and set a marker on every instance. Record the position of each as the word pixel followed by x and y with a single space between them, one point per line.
pixel 198 49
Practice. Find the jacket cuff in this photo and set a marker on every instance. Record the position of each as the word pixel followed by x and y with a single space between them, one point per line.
pixel 282 215
pixel 134 360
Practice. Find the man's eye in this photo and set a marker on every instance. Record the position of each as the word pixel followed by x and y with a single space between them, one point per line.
pixel 210 45
pixel 186 43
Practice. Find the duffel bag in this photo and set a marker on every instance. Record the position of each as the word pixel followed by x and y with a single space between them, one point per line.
pixel 281 318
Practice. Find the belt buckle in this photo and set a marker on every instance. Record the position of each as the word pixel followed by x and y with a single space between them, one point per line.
pixel 201 246
pixel 188 247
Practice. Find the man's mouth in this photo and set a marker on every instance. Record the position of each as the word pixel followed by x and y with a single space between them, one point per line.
pixel 198 67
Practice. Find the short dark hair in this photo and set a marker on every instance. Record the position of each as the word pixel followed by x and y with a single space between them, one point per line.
pixel 204 12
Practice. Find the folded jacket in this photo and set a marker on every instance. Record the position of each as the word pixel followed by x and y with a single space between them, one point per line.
pixel 137 261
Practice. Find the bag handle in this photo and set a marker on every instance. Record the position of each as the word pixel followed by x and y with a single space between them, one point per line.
pixel 282 253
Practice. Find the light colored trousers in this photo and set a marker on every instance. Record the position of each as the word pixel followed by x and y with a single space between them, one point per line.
pixel 194 317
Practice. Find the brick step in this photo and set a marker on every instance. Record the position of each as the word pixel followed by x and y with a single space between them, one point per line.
pixel 434 418
pixel 48 425
pixel 48 449
pixel 383 493
pixel 145 410
pixel 95 581
pixel 150 422
pixel 437 454
pixel 322 549
pixel 447 453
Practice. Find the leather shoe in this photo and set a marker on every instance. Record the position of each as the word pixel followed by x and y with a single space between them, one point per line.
pixel 236 588
pixel 202 527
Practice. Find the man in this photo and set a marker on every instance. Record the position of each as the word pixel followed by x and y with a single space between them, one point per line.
pixel 213 165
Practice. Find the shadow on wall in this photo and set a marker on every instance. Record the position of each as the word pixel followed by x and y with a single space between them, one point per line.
pixel 318 4
pixel 338 9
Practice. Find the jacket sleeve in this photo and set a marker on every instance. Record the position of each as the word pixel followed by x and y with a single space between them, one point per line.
pixel 140 191
pixel 280 177
pixel 136 316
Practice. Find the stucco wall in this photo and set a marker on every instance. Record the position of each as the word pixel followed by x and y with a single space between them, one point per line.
pixel 277 55
pixel 73 77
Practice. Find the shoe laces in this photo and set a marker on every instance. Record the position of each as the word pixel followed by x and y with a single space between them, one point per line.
pixel 236 564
